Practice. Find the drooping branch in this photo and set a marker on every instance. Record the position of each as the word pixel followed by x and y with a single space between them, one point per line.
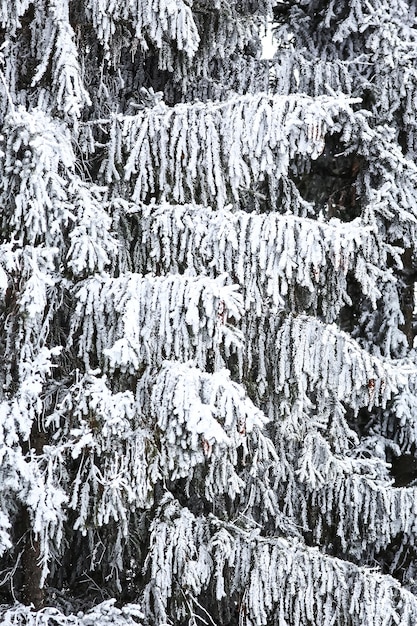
pixel 265 575
pixel 287 261
pixel 191 153
pixel 129 322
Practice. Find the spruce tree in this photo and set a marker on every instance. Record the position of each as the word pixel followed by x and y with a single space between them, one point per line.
pixel 208 409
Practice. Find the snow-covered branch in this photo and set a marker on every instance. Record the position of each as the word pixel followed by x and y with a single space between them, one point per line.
pixel 191 153
pixel 105 613
pixel 267 576
pixel 298 357
pixel 272 256
pixel 136 320
pixel 151 21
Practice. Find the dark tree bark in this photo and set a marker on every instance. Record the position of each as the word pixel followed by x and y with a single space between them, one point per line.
pixel 407 296
pixel 32 591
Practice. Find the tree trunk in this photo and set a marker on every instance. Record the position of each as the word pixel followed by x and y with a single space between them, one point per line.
pixel 32 592
pixel 407 296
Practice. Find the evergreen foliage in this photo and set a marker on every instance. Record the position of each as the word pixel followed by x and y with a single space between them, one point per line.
pixel 208 398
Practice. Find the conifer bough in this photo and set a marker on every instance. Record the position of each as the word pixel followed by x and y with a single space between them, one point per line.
pixel 208 390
